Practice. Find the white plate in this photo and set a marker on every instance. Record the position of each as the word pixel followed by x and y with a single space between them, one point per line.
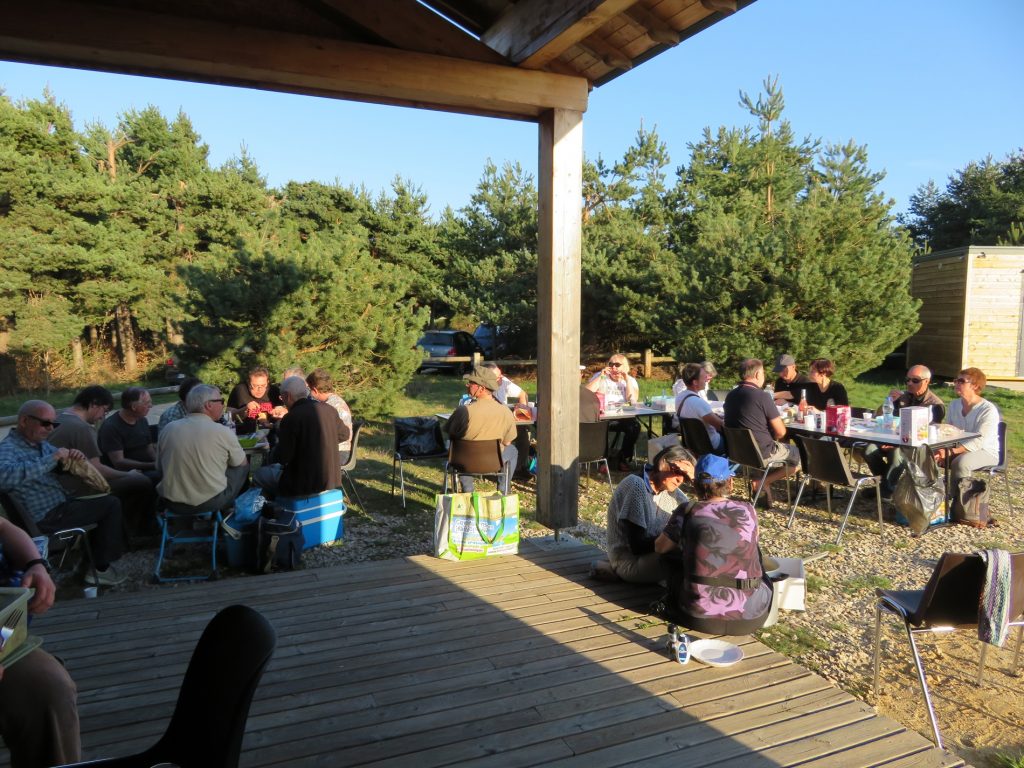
pixel 716 653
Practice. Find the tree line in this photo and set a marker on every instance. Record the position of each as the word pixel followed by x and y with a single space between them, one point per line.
pixel 126 241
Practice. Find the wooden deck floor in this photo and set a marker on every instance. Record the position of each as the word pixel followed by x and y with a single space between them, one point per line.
pixel 517 661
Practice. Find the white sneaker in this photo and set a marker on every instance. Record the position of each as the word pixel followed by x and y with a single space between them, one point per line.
pixel 107 578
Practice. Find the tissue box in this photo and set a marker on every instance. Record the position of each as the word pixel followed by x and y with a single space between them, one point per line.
pixel 914 424
pixel 837 419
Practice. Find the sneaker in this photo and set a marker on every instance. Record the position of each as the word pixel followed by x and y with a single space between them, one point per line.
pixel 107 578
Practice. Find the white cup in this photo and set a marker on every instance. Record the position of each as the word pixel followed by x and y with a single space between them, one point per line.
pixel 809 421
pixel 90 592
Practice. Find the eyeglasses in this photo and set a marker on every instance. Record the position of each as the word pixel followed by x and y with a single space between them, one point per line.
pixel 217 400
pixel 44 422
pixel 617 365
pixel 915 379
pixel 961 381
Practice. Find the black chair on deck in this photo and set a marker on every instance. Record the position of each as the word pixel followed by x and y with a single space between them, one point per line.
pixel 948 601
pixel 824 461
pixel 695 436
pixel 60 542
pixel 209 719
pixel 416 438
pixel 593 438
pixel 743 450
pixel 350 465
pixel 481 458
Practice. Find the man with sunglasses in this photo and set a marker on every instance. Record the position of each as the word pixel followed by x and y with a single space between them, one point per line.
pixel 882 459
pixel 618 389
pixel 28 468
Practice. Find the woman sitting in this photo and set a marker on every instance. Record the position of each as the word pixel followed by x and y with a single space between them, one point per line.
pixel 972 413
pixel 640 507
pixel 716 583
pixel 823 388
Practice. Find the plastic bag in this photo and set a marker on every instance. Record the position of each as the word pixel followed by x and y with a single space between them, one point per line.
pixel 919 494
pixel 248 507
pixel 418 436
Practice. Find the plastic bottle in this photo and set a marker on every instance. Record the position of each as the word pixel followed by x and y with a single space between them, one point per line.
pixel 887 414
pixel 803 403
pixel 770 389
pixel 465 400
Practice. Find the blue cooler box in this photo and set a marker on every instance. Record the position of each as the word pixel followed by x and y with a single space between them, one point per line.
pixel 322 516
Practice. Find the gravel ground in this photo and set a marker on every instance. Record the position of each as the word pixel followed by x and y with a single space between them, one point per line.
pixel 833 637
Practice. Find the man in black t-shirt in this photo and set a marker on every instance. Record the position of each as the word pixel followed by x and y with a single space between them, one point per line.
pixel 749 406
pixel 788 383
pixel 256 398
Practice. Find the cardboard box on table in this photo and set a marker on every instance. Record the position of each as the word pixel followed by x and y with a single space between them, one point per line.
pixel 837 419
pixel 914 423
pixel 322 516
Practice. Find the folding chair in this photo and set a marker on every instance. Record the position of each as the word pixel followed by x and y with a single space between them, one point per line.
pixel 60 542
pixel 209 719
pixel 1000 468
pixel 480 458
pixel 350 464
pixel 743 450
pixel 177 528
pixel 695 436
pixel 824 461
pixel 416 438
pixel 949 601
pixel 593 437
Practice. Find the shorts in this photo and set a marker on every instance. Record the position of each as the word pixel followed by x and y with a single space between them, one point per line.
pixel 786 452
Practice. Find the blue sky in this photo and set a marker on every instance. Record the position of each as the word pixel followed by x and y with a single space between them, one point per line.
pixel 927 85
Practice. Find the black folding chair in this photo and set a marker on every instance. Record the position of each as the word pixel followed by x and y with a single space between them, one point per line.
pixel 1001 467
pixel 695 436
pixel 743 450
pixel 480 458
pixel 350 465
pixel 593 437
pixel 60 542
pixel 417 438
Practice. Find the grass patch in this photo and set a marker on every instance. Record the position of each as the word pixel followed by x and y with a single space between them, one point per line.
pixel 815 583
pixel 860 583
pixel 1004 760
pixel 792 641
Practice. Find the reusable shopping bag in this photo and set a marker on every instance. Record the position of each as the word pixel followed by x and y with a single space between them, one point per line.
pixel 471 526
pixel 970 504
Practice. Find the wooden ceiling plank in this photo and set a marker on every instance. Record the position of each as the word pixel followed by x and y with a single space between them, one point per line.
pixel 121 40
pixel 722 6
pixel 607 53
pixel 408 25
pixel 657 30
pixel 533 32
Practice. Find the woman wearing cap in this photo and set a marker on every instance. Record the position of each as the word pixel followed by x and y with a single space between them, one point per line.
pixel 972 413
pixel 718 584
pixel 638 511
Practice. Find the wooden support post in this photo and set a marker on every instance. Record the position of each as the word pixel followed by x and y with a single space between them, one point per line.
pixel 560 192
pixel 648 363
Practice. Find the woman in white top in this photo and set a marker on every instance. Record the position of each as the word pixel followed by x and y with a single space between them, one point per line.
pixel 972 413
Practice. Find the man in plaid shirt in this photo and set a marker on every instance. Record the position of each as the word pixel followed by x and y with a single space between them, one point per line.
pixel 27 466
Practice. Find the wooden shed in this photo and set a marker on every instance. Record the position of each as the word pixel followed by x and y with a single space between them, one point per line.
pixel 972 307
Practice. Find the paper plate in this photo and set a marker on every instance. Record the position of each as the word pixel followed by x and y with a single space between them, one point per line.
pixel 716 653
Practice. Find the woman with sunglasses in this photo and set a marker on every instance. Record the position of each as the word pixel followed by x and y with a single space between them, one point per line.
pixel 619 389
pixel 972 413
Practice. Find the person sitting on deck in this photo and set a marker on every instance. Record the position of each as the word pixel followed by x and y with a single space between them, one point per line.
pixel 639 508
pixel 716 583
pixel 125 437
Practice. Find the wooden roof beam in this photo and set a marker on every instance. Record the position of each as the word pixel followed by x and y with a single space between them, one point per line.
pixel 534 32
pixel 610 55
pixel 658 30
pixel 122 40
pixel 722 6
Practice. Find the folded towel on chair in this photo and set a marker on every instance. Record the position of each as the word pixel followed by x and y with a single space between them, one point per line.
pixel 994 610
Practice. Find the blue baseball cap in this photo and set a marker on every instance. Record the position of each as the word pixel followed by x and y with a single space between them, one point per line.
pixel 715 467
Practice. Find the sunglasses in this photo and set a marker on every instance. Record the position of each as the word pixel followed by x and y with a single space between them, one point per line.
pixel 915 380
pixel 617 365
pixel 44 422
pixel 961 381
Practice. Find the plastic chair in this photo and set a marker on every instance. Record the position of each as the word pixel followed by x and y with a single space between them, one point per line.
pixel 481 458
pixel 350 465
pixel 593 438
pixel 695 436
pixel 948 601
pixel 416 438
pixel 62 541
pixel 824 461
pixel 1001 467
pixel 743 450
pixel 176 528
pixel 209 719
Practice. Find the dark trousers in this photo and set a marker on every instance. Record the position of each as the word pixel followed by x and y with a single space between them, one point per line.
pixel 630 431
pixel 105 511
pixel 38 712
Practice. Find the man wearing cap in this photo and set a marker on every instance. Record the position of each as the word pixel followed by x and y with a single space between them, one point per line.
pixel 788 383
pixel 484 419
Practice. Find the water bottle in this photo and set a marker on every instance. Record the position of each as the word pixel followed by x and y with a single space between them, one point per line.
pixel 887 414
pixel 465 400
pixel 770 389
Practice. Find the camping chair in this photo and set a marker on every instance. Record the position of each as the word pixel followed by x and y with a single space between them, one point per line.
pixel 416 438
pixel 209 719
pixel 743 450
pixel 1000 468
pixel 178 528
pixel 695 436
pixel 948 601
pixel 593 437
pixel 62 541
pixel 824 461
pixel 350 464
pixel 480 458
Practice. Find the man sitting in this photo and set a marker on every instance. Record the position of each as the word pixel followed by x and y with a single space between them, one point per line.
pixel 321 387
pixel 125 438
pixel 484 419
pixel 178 410
pixel 749 406
pixel 28 467
pixel 693 406
pixel 788 382
pixel 203 464
pixel 306 455
pixel 256 399
pixel 77 430
pixel 506 387
pixel 618 389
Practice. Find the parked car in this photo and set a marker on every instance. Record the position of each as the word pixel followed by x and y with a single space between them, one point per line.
pixel 493 339
pixel 449 344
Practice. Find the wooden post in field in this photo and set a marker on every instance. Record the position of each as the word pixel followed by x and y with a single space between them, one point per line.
pixel 648 363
